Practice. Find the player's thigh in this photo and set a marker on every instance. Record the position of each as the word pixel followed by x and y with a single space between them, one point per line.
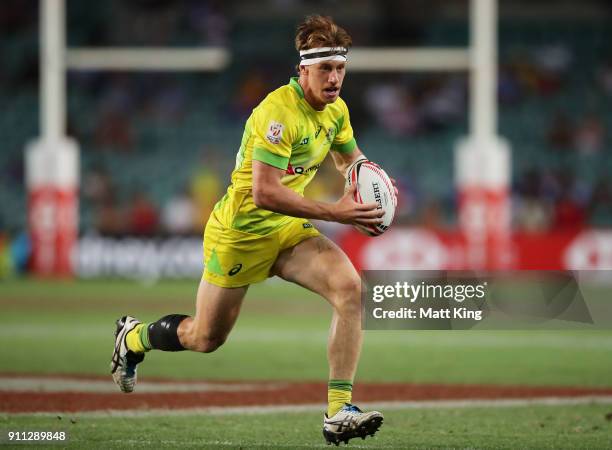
pixel 217 309
pixel 322 267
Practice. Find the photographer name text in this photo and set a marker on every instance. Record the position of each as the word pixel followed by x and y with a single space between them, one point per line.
pixel 413 293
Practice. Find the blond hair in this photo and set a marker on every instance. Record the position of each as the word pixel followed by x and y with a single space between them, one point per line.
pixel 320 31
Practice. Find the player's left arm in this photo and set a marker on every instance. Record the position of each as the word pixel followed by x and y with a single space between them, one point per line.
pixel 344 160
pixel 345 151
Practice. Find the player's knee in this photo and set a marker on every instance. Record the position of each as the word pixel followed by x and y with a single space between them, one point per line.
pixel 208 344
pixel 347 293
pixel 205 343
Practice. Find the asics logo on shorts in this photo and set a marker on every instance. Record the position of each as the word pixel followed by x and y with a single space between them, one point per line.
pixel 234 270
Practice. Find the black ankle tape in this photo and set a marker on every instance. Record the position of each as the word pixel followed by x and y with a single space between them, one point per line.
pixel 163 333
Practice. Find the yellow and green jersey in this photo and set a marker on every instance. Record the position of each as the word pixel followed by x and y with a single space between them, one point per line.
pixel 283 131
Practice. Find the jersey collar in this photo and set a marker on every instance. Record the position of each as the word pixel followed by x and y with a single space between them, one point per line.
pixel 293 82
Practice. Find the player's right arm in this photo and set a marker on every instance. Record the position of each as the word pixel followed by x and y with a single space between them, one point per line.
pixel 275 129
pixel 269 193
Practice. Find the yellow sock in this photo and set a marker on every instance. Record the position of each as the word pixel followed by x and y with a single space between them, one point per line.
pixel 134 339
pixel 339 392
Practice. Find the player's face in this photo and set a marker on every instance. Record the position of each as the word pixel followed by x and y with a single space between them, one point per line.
pixel 324 81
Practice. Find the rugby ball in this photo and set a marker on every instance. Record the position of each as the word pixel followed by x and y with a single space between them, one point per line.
pixel 373 186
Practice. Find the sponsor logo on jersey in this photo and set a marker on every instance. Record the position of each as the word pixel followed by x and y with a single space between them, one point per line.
pixel 318 131
pixel 305 141
pixel 306 225
pixel 275 132
pixel 299 170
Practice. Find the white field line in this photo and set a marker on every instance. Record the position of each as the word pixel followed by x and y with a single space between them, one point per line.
pixel 196 443
pixel 285 409
pixel 42 384
pixel 139 443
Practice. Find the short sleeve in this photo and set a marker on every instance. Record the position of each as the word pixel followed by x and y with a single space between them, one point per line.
pixel 274 134
pixel 344 141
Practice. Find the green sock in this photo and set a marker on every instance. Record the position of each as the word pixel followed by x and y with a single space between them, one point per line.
pixel 137 339
pixel 144 337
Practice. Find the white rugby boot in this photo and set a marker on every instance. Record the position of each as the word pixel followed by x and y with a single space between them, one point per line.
pixel 350 422
pixel 124 361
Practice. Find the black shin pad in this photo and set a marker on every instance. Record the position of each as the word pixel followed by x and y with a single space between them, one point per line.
pixel 163 333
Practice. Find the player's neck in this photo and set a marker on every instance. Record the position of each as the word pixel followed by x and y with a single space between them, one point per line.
pixel 309 97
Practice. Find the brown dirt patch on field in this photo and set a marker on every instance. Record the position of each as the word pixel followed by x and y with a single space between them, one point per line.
pixel 50 398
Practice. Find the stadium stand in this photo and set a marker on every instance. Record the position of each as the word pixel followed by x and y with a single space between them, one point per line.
pixel 148 133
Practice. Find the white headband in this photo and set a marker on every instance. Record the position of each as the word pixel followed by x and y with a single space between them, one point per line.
pixel 319 54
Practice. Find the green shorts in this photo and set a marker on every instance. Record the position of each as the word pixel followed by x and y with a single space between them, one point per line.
pixel 234 258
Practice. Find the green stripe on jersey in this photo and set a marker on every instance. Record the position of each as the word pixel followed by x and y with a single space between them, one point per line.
pixel 265 156
pixel 347 147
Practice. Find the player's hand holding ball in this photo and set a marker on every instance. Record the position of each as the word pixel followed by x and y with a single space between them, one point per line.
pixel 368 183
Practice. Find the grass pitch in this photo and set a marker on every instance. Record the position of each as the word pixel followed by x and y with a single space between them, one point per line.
pixel 542 427
pixel 67 328
pixel 51 327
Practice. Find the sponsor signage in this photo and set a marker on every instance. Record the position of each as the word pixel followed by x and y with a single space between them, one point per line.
pixel 139 258
pixel 424 249
pixel 399 249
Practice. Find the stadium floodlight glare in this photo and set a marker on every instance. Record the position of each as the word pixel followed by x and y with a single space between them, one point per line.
pixel 404 59
pixel 147 58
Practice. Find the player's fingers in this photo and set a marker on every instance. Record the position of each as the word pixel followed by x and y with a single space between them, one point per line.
pixel 377 213
pixel 367 206
pixel 369 221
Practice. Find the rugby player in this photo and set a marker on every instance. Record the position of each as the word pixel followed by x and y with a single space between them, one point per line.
pixel 260 228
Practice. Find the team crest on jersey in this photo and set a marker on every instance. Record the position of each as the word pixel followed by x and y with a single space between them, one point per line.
pixel 275 132
pixel 331 132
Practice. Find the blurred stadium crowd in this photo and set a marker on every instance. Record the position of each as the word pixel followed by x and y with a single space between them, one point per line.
pixel 157 148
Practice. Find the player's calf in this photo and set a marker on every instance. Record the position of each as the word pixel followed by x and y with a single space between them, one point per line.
pixel 199 341
pixel 207 345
